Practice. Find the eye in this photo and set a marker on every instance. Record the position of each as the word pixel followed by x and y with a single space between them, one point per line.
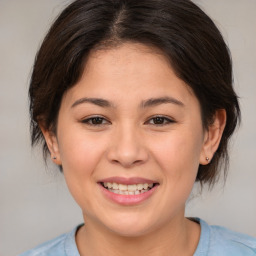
pixel 160 120
pixel 95 121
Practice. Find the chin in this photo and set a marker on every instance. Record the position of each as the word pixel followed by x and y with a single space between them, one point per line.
pixel 130 232
pixel 126 226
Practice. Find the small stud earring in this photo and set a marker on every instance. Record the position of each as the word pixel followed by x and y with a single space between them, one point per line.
pixel 207 159
pixel 54 158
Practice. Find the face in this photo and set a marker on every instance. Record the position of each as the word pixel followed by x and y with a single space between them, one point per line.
pixel 130 140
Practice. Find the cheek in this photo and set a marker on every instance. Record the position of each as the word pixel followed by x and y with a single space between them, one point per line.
pixel 178 155
pixel 79 150
pixel 80 155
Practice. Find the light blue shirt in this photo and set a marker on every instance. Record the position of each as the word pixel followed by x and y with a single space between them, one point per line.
pixel 214 241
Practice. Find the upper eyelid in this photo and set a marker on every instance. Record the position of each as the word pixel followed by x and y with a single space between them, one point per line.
pixel 167 121
pixel 94 116
pixel 162 116
pixel 168 118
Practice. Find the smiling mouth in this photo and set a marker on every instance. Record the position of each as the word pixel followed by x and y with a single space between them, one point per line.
pixel 132 189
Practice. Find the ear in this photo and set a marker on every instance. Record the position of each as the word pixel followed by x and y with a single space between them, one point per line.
pixel 213 136
pixel 52 144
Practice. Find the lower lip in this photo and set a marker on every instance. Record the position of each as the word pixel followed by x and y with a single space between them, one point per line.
pixel 128 199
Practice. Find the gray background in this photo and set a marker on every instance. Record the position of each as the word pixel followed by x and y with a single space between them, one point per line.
pixel 34 202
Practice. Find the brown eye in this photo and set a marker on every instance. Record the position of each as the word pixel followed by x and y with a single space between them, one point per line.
pixel 160 120
pixel 97 120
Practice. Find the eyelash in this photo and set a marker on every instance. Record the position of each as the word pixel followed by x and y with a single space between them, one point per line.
pixel 162 119
pixel 91 120
pixel 100 121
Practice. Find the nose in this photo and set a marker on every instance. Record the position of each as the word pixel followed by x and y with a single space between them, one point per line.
pixel 127 147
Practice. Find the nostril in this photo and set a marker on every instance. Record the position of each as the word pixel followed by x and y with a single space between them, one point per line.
pixel 126 162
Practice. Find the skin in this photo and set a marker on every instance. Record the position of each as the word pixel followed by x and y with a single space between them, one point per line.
pixel 128 142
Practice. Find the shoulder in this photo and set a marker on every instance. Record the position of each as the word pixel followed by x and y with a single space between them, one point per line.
pixel 217 240
pixel 232 242
pixel 63 245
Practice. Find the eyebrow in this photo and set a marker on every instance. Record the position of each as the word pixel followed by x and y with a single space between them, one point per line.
pixel 96 101
pixel 162 100
pixel 144 104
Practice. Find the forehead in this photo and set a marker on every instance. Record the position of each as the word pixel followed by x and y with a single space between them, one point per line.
pixel 128 58
pixel 129 72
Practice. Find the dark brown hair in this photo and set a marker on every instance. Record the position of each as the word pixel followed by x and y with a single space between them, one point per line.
pixel 179 28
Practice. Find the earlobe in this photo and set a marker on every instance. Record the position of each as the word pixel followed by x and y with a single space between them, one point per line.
pixel 52 144
pixel 213 137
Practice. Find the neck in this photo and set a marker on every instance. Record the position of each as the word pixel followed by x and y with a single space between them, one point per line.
pixel 179 237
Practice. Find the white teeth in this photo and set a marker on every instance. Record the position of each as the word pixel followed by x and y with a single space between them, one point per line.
pixel 145 186
pixel 122 187
pixel 114 185
pixel 120 192
pixel 133 189
pixel 109 185
pixel 140 186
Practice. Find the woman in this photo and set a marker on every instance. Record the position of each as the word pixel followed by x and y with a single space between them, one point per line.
pixel 133 100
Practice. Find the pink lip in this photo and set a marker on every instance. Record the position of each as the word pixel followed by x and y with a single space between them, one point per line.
pixel 128 181
pixel 127 199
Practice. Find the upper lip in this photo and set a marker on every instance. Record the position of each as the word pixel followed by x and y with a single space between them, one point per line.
pixel 128 181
